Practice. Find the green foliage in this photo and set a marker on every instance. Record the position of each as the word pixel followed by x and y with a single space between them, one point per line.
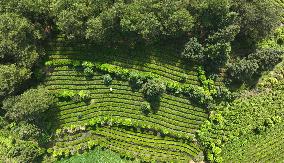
pixel 25 152
pixel 258 19
pixel 136 79
pixel 65 62
pixel 198 95
pixel 145 107
pixel 14 149
pixel 88 64
pixel 11 77
pixel 218 54
pixel 66 94
pixel 247 68
pixel 107 79
pixel 36 11
pixel 17 37
pixel 28 106
pixel 153 89
pixel 267 58
pixel 249 126
pixel 215 15
pixel 224 35
pixel 88 68
pixel 152 20
pixel 207 84
pixel 272 79
pixel 27 131
pixel 193 51
pixel 71 16
pixel 242 70
pixel 97 155
pixel 82 95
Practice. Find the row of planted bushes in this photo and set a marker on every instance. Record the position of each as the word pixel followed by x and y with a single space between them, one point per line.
pixel 152 83
pixel 122 147
pixel 167 146
pixel 188 123
pixel 76 96
pixel 119 121
pixel 202 95
pixel 155 122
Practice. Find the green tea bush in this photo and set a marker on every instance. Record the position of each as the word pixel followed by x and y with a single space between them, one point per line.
pixel 84 95
pixel 66 94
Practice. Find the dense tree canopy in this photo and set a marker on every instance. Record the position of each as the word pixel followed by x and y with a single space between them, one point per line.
pixel 17 37
pixel 257 18
pixel 10 78
pixel 29 105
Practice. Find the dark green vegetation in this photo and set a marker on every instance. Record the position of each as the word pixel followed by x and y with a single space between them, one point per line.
pixel 151 80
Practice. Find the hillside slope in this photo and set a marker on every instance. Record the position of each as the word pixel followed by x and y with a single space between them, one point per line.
pixel 113 118
pixel 250 128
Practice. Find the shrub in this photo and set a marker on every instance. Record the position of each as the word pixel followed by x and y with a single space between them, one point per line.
pixel 198 94
pixel 266 59
pixel 193 51
pixel 89 64
pixel 217 54
pixel 11 77
pixel 183 78
pixel 29 105
pixel 107 79
pixel 88 71
pixel 66 94
pixel 25 151
pixel 84 95
pixel 174 87
pixel 88 68
pixel 136 79
pixel 27 131
pixel 225 35
pixel 242 70
pixel 145 107
pixel 153 88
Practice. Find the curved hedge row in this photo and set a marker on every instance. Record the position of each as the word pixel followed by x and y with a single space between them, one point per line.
pixel 142 145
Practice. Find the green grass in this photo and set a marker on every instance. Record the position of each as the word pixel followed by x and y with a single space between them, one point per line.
pixel 96 156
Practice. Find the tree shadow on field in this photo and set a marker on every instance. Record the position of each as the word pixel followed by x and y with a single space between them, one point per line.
pixel 155 104
pixel 48 123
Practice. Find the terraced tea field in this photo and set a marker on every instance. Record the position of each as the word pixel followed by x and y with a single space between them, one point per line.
pixel 113 118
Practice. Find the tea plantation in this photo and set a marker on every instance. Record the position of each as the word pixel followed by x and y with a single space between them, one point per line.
pixel 112 118
pixel 117 81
